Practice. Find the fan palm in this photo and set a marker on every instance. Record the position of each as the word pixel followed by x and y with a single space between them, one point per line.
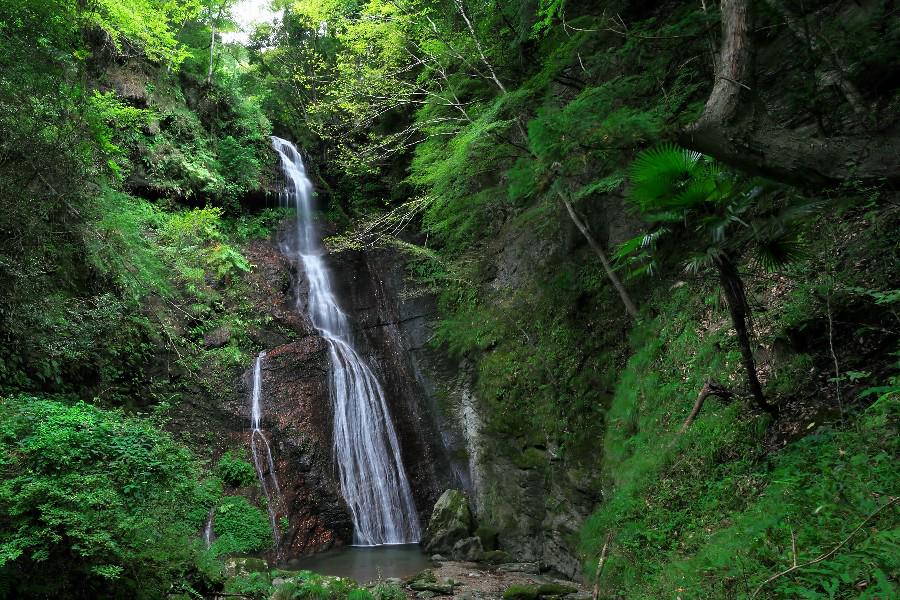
pixel 727 218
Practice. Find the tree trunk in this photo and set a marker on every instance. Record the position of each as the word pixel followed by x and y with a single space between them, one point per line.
pixel 736 130
pixel 610 274
pixel 212 47
pixel 733 288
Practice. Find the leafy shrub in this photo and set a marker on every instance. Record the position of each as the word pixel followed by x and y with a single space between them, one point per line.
pixel 235 469
pixel 253 585
pixel 360 594
pixel 104 502
pixel 312 591
pixel 240 528
pixel 388 591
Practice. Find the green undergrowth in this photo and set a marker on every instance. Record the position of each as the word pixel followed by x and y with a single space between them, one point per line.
pixel 711 513
pixel 95 501
pixel 240 527
pixel 304 585
pixel 235 469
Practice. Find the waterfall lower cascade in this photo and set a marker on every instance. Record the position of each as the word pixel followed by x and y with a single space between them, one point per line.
pixel 259 442
pixel 372 478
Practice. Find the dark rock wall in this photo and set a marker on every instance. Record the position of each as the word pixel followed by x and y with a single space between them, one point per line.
pixel 297 411
pixel 388 334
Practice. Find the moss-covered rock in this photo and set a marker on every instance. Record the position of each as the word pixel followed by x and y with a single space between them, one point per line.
pixel 427 582
pixel 521 592
pixel 451 521
pixel 533 592
pixel 488 536
pixel 555 589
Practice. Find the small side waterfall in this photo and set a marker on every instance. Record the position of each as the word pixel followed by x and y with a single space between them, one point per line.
pixel 257 439
pixel 372 478
pixel 208 529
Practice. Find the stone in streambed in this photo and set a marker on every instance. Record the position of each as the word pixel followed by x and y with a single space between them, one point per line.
pixel 537 591
pixel 427 582
pixel 521 592
pixel 522 567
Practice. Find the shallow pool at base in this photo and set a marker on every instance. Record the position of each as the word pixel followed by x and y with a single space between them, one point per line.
pixel 365 564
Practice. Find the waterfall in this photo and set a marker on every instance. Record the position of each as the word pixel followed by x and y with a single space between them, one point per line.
pixel 257 439
pixel 208 529
pixel 366 450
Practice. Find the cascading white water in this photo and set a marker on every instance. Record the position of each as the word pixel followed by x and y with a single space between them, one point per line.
pixel 257 439
pixel 372 478
pixel 208 530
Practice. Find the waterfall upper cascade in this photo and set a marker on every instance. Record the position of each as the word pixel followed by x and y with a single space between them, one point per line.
pixel 257 439
pixel 367 453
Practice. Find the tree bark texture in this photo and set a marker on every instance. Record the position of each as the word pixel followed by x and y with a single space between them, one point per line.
pixel 733 288
pixel 607 267
pixel 736 129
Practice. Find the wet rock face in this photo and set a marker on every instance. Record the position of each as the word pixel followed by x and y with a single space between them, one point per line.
pixel 298 415
pixel 390 333
pixel 296 402
pixel 297 412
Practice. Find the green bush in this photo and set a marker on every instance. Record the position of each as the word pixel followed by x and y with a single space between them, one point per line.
pixel 360 594
pixel 253 585
pixel 240 527
pixel 235 469
pixel 388 591
pixel 312 591
pixel 93 502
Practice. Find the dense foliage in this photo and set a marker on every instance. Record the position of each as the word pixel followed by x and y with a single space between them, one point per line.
pixel 94 503
pixel 127 147
pixel 538 168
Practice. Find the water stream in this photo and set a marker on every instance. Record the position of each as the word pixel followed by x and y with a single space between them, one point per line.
pixel 257 440
pixel 366 450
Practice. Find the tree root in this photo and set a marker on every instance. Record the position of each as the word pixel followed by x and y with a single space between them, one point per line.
pixel 709 388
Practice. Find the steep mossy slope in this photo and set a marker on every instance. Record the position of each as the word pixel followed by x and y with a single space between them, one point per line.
pixel 124 260
pixel 490 145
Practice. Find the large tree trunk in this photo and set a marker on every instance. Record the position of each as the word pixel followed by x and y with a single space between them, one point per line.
pixel 733 288
pixel 735 128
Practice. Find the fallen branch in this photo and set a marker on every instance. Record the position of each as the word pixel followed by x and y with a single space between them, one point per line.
pixel 709 389
pixel 825 556
pixel 630 307
pixel 595 594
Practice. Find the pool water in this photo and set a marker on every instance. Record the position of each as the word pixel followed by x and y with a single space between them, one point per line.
pixel 365 564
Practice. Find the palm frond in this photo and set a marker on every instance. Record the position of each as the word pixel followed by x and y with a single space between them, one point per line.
pixel 703 260
pixel 658 173
pixel 775 252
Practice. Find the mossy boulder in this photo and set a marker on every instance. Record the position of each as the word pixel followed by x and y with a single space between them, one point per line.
pixel 555 589
pixel 427 582
pixel 469 549
pixel 239 566
pixel 451 521
pixel 537 591
pixel 521 592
